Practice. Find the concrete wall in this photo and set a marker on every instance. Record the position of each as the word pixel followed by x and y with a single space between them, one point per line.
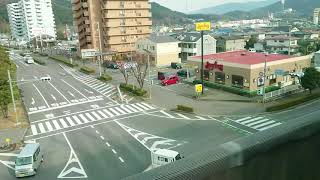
pixel 232 45
pixel 209 45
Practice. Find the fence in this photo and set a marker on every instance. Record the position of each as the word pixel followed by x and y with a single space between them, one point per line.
pixel 282 91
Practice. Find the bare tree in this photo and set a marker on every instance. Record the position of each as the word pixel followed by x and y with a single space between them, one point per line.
pixel 140 69
pixel 123 59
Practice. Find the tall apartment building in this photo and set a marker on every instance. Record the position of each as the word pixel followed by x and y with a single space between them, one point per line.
pixel 316 16
pixel 121 23
pixel 30 18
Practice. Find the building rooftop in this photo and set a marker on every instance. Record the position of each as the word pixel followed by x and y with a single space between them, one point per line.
pixel 231 37
pixel 190 37
pixel 161 38
pixel 243 57
pixel 282 37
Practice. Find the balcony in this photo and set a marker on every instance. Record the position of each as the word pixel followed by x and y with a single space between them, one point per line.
pixel 127 15
pixel 118 5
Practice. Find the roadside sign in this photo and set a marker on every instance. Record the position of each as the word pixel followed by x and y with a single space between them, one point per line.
pixel 198 88
pixel 203 26
pixel 88 53
pixel 279 72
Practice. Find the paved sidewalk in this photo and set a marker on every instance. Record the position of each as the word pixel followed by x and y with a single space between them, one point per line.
pixel 16 135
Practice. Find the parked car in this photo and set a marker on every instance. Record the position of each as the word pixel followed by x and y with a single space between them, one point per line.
pixel 173 79
pixel 111 65
pixel 175 65
pixel 183 73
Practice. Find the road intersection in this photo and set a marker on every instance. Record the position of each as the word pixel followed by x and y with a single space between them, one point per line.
pixel 86 132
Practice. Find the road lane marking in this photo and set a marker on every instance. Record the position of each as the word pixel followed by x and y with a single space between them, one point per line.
pixel 120 110
pixel 77 119
pixel 136 107
pixel 69 120
pixel 270 126
pixel 242 119
pixel 167 114
pixel 34 129
pixel 54 98
pixel 102 137
pixel 77 171
pixel 71 94
pixel 64 124
pixel 49 126
pixel 120 158
pixel 126 109
pixel 114 111
pixel 41 128
pixel 263 124
pixel 97 132
pixel 41 95
pixel 83 118
pixel 109 113
pixel 33 101
pixel 74 88
pixel 257 122
pixel 114 151
pixel 103 114
pixel 56 124
pixel 96 115
pixel 89 116
pixel 59 92
pixel 140 105
pixel 251 120
pixel 149 106
pixel 107 144
pixel 131 108
pixel 183 116
pixel 201 118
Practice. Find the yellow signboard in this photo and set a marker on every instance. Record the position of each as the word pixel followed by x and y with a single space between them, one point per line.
pixel 203 26
pixel 198 88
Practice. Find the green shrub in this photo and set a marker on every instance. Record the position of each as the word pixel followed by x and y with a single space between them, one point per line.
pixel 39 61
pixel 87 70
pixel 105 78
pixel 43 54
pixel 63 60
pixel 292 103
pixel 185 108
pixel 132 89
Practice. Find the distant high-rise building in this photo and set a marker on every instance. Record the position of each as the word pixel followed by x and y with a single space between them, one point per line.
pixel 283 3
pixel 30 18
pixel 121 23
pixel 316 16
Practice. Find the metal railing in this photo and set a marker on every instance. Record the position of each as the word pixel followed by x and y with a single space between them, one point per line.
pixel 282 91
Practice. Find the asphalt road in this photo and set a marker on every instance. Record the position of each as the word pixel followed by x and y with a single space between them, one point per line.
pixel 85 132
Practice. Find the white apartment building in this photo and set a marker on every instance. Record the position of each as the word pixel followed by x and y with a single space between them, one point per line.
pixel 31 18
pixel 190 44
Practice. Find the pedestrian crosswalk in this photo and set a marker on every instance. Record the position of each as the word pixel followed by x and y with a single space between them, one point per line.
pixel 73 120
pixel 150 141
pixel 258 123
pixel 177 115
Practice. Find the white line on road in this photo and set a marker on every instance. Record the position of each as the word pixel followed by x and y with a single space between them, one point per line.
pixel 71 94
pixel 107 144
pixel 59 92
pixel 33 101
pixel 114 151
pixel 120 158
pixel 34 130
pixel 102 137
pixel 167 114
pixel 183 116
pixel 54 98
pixel 41 95
pixel 97 132
pixel 75 89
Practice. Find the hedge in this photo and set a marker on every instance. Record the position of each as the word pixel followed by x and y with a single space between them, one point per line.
pixel 235 90
pixel 294 102
pixel 39 61
pixel 87 70
pixel 105 78
pixel 132 89
pixel 43 54
pixel 63 60
pixel 185 108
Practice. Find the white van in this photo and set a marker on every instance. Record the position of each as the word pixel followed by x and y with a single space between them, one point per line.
pixel 29 160
pixel 28 59
pixel 163 157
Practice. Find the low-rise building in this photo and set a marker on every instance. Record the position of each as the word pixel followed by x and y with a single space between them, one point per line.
pixel 230 43
pixel 282 44
pixel 245 70
pixel 190 44
pixel 164 49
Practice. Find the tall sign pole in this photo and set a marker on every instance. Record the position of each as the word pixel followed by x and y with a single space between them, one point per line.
pixel 12 96
pixel 202 26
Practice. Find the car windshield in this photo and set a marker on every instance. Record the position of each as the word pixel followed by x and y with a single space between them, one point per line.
pixel 23 161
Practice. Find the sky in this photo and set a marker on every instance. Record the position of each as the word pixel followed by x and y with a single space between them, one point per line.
pixel 190 5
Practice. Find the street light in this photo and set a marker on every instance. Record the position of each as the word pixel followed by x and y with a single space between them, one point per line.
pixel 264 77
pixel 148 52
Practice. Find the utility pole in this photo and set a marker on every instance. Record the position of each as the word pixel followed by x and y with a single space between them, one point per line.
pixel 12 96
pixel 149 76
pixel 264 78
pixel 202 63
pixel 289 52
pixel 100 49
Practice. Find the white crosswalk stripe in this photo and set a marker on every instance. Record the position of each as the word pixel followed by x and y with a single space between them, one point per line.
pixel 183 116
pixel 72 120
pixel 257 123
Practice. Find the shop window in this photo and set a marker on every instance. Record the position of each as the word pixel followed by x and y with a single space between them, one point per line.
pixel 273 81
pixel 220 77
pixel 206 75
pixel 237 81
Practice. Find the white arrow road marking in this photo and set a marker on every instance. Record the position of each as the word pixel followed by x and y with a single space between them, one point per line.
pixel 54 98
pixel 72 170
pixel 163 142
pixel 33 101
pixel 9 164
pixel 71 94
pixel 41 95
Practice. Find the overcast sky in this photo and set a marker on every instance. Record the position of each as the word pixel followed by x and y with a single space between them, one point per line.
pixel 190 5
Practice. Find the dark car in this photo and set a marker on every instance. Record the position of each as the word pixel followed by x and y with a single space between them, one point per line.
pixel 111 65
pixel 176 66
pixel 183 73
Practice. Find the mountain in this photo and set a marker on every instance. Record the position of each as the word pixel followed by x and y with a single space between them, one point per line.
pixel 229 7
pixel 303 7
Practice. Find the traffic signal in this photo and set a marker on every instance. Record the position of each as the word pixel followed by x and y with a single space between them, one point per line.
pixel 260 92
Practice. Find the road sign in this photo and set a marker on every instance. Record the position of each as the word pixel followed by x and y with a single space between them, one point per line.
pixel 88 53
pixel 203 26
pixel 198 88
